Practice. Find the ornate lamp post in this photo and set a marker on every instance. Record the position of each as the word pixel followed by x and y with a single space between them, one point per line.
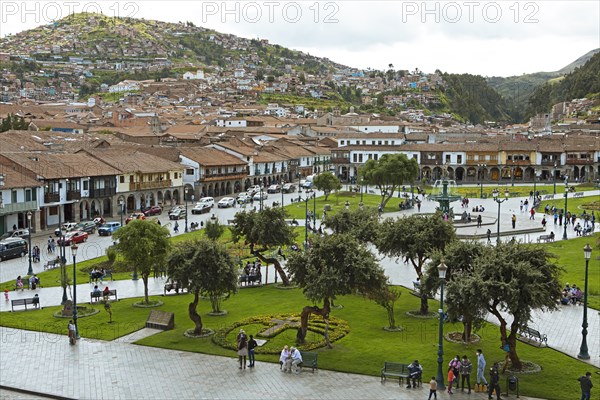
pixel 185 194
pixel 583 350
pixel 314 210
pixel 121 204
pixel 362 189
pixel 30 270
pixel 554 177
pixel 306 223
pixel 534 184
pixel 442 268
pixel 282 183
pixel 499 201
pixel 261 197
pixel 74 253
pixel 480 177
pixel 565 213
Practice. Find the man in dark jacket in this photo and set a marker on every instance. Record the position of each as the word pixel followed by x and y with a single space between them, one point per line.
pixel 494 382
pixel 586 386
pixel 465 372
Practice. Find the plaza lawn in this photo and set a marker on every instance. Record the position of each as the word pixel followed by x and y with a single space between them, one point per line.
pixel 569 255
pixel 362 351
pixel 474 191
pixel 337 202
pixel 574 204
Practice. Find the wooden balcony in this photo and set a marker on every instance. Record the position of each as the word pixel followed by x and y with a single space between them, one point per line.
pixel 51 198
pixel 550 163
pixel 222 177
pixel 106 192
pixel 580 161
pixel 137 186
pixel 73 195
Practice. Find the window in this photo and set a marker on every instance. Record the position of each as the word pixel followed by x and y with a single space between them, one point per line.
pixel 342 142
pixel 53 210
pixel 448 158
pixel 189 171
pixel 86 185
pixel 376 157
pixel 27 194
pixel 459 159
pixel 122 179
pixel 13 196
pixel 33 194
pixel 354 157
pixel 360 158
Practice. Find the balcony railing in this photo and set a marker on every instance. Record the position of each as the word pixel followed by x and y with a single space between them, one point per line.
pixel 217 177
pixel 73 195
pixel 580 161
pixel 135 186
pixel 18 207
pixel 550 163
pixel 106 192
pixel 51 198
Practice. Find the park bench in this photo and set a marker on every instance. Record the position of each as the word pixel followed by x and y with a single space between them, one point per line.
pixel 100 295
pixel 250 279
pixel 35 301
pixel 309 360
pixel 176 287
pixel 578 194
pixel 548 197
pixel 533 334
pixel 107 274
pixel 545 238
pixel 51 264
pixel 394 370
pixel 230 222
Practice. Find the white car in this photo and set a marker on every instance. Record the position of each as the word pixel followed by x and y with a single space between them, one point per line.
pixel 256 196
pixel 226 202
pixel 243 198
pixel 253 189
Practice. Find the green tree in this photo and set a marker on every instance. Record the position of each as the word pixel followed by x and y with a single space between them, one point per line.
pixel 335 265
pixel 515 279
pixel 144 245
pixel 327 182
pixel 362 224
pixel 13 122
pixel 387 299
pixel 205 268
pixel 264 230
pixel 389 172
pixel 214 230
pixel 459 257
pixel 415 238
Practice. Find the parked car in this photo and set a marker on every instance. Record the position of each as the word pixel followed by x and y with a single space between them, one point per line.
pixel 253 189
pixel 66 227
pixel 73 237
pixel 289 188
pixel 177 214
pixel 201 208
pixel 108 228
pixel 274 189
pixel 135 215
pixel 226 202
pixel 99 221
pixel 207 200
pixel 243 198
pixel 19 233
pixel 12 247
pixel 154 210
pixel 257 196
pixel 88 227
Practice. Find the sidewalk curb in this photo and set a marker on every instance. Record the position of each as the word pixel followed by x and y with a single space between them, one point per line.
pixel 32 392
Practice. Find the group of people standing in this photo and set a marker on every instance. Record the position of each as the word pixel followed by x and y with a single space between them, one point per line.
pixel 245 349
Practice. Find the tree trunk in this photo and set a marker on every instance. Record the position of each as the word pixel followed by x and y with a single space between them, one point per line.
pixel 284 279
pixel 215 302
pixel 145 280
pixel 390 312
pixel 193 314
pixel 467 329
pixel 512 341
pixel 326 195
pixel 306 311
pixel 386 197
pixel 424 304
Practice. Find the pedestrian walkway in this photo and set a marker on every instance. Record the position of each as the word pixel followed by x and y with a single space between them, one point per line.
pixel 95 369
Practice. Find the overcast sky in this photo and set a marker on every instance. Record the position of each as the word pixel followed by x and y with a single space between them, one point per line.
pixel 491 38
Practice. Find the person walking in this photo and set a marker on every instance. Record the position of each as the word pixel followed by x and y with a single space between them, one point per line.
pixel 480 371
pixel 586 386
pixel 494 382
pixel 451 378
pixel 489 236
pixel 465 372
pixel 176 227
pixel 479 220
pixel 514 221
pixel 251 346
pixel 532 214
pixel 432 388
pixel 72 335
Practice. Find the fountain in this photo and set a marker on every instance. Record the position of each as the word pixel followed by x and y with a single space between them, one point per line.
pixel 443 196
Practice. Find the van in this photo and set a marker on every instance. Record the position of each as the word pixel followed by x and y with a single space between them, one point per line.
pixel 207 200
pixel 13 247
pixel 108 228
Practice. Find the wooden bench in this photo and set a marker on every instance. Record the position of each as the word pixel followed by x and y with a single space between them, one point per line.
pixel 394 370
pixel 51 264
pixel 309 360
pixel 548 197
pixel 107 274
pixel 250 279
pixel 100 295
pixel 545 238
pixel 533 334
pixel 176 287
pixel 578 194
pixel 35 301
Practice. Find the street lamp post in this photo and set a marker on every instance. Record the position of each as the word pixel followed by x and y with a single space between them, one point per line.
pixel 554 177
pixel 583 350
pixel 565 212
pixel 534 185
pixel 499 201
pixel 74 253
pixel 306 222
pixel 362 189
pixel 261 197
pixel 185 194
pixel 480 178
pixel 30 270
pixel 281 188
pixel 121 204
pixel 440 360
pixel 314 210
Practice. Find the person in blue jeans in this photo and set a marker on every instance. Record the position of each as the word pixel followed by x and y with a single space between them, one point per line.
pixel 251 345
pixel 586 386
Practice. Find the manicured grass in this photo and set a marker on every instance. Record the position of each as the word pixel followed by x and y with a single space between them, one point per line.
pixel 516 191
pixel 574 204
pixel 366 341
pixel 569 254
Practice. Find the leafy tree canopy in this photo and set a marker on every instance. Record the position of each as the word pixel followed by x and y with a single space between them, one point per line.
pixel 362 224
pixel 327 182
pixel 389 172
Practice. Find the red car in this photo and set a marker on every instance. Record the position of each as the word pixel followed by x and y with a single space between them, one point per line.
pixel 136 215
pixel 73 237
pixel 155 210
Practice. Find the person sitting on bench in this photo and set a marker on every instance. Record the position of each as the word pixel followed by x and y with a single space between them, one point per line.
pixel 415 370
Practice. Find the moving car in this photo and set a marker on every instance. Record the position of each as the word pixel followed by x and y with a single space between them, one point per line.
pixel 66 227
pixel 99 221
pixel 12 247
pixel 289 188
pixel 243 198
pixel 201 208
pixel 178 213
pixel 274 189
pixel 135 215
pixel 207 200
pixel 257 196
pixel 88 226
pixel 108 228
pixel 154 210
pixel 73 237
pixel 253 189
pixel 226 202
pixel 19 233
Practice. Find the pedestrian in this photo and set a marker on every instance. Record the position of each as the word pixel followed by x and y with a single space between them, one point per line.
pixel 176 227
pixel 480 371
pixel 14 227
pixel 419 210
pixel 521 206
pixel 432 388
pixel 242 348
pixel 251 346
pixel 514 221
pixel 465 372
pixel 489 235
pixel 455 365
pixel 6 294
pixel 450 379
pixel 544 223
pixel 53 245
pixel 19 284
pixel 494 382
pixel 586 386
pixel 49 244
pixel 479 220
pixel 72 334
pixel 532 214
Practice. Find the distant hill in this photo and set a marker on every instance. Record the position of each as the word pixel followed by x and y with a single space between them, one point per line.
pixel 516 90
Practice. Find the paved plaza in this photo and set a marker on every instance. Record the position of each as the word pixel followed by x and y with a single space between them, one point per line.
pixel 121 370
